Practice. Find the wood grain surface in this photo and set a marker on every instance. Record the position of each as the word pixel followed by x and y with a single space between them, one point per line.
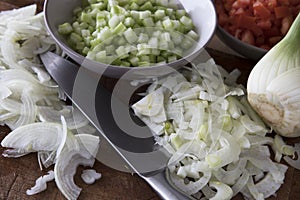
pixel 18 175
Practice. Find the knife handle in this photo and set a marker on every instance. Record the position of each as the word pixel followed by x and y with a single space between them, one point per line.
pixel 164 189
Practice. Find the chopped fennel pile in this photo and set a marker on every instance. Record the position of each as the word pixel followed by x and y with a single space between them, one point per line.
pixel 219 146
pixel 31 105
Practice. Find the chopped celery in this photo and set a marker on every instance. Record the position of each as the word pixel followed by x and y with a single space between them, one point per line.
pixel 65 28
pixel 137 32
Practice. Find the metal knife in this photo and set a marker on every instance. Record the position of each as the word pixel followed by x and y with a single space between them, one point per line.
pixel 102 108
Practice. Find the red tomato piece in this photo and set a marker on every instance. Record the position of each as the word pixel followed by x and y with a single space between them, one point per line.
pixel 260 10
pixel 282 11
pixel 248 37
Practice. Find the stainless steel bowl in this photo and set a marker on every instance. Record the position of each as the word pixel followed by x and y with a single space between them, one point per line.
pixel 202 13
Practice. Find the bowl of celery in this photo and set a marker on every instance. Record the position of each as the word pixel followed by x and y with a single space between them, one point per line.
pixel 128 38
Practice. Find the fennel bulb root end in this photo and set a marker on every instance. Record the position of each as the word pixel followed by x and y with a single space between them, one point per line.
pixel 276 115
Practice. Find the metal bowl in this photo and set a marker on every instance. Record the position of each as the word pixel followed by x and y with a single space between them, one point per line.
pixel 242 48
pixel 202 13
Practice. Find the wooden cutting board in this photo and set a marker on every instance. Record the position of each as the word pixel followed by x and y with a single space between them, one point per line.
pixel 18 175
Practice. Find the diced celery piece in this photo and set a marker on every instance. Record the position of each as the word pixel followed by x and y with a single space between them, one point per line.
pixel 144 14
pixel 113 21
pixel 164 3
pixel 77 10
pixel 186 21
pixel 187 43
pixel 171 45
pixel 155 52
pixel 152 58
pixel 101 56
pixel 85 33
pixel 169 12
pixel 159 14
pixel 130 35
pixel 95 42
pixel 156 33
pixel 134 61
pixel 178 51
pixel 99 5
pixel 153 43
pixel 144 64
pixel 129 21
pixel 134 6
pixel 85 50
pixel 120 28
pixel 100 22
pixel 121 41
pixel 163 45
pixel 104 34
pixel 180 13
pixel 160 59
pixel 148 22
pixel 165 36
pixel 110 49
pixel 135 14
pixel 91 55
pixel 147 6
pixel 125 64
pixel 74 37
pixel 172 58
pixel 121 51
pixel 80 45
pixel 193 35
pixel 85 17
pixel 65 28
pixel 168 24
pixel 176 37
pixel 159 25
pixel 117 10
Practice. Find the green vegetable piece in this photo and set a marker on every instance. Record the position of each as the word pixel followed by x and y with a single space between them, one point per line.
pixel 65 28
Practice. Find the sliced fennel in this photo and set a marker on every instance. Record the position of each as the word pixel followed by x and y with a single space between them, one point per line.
pixel 31 104
pixel 89 176
pixel 41 183
pixel 216 140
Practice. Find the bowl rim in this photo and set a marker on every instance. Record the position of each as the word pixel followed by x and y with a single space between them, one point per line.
pixel 68 50
pixel 221 32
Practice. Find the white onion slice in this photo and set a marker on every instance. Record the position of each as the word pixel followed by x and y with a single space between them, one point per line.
pixel 89 176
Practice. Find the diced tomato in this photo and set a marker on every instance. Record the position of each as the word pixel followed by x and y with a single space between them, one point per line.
pixel 264 24
pixel 248 22
pixel 259 41
pixel 267 20
pixel 271 4
pixel 286 24
pixel 248 37
pixel 274 31
pixel 260 10
pixel 284 2
pixel 244 3
pixel 274 40
pixel 282 11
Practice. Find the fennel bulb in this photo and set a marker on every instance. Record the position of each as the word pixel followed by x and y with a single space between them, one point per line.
pixel 274 84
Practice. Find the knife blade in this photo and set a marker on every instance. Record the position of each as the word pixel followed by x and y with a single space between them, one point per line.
pixel 102 108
